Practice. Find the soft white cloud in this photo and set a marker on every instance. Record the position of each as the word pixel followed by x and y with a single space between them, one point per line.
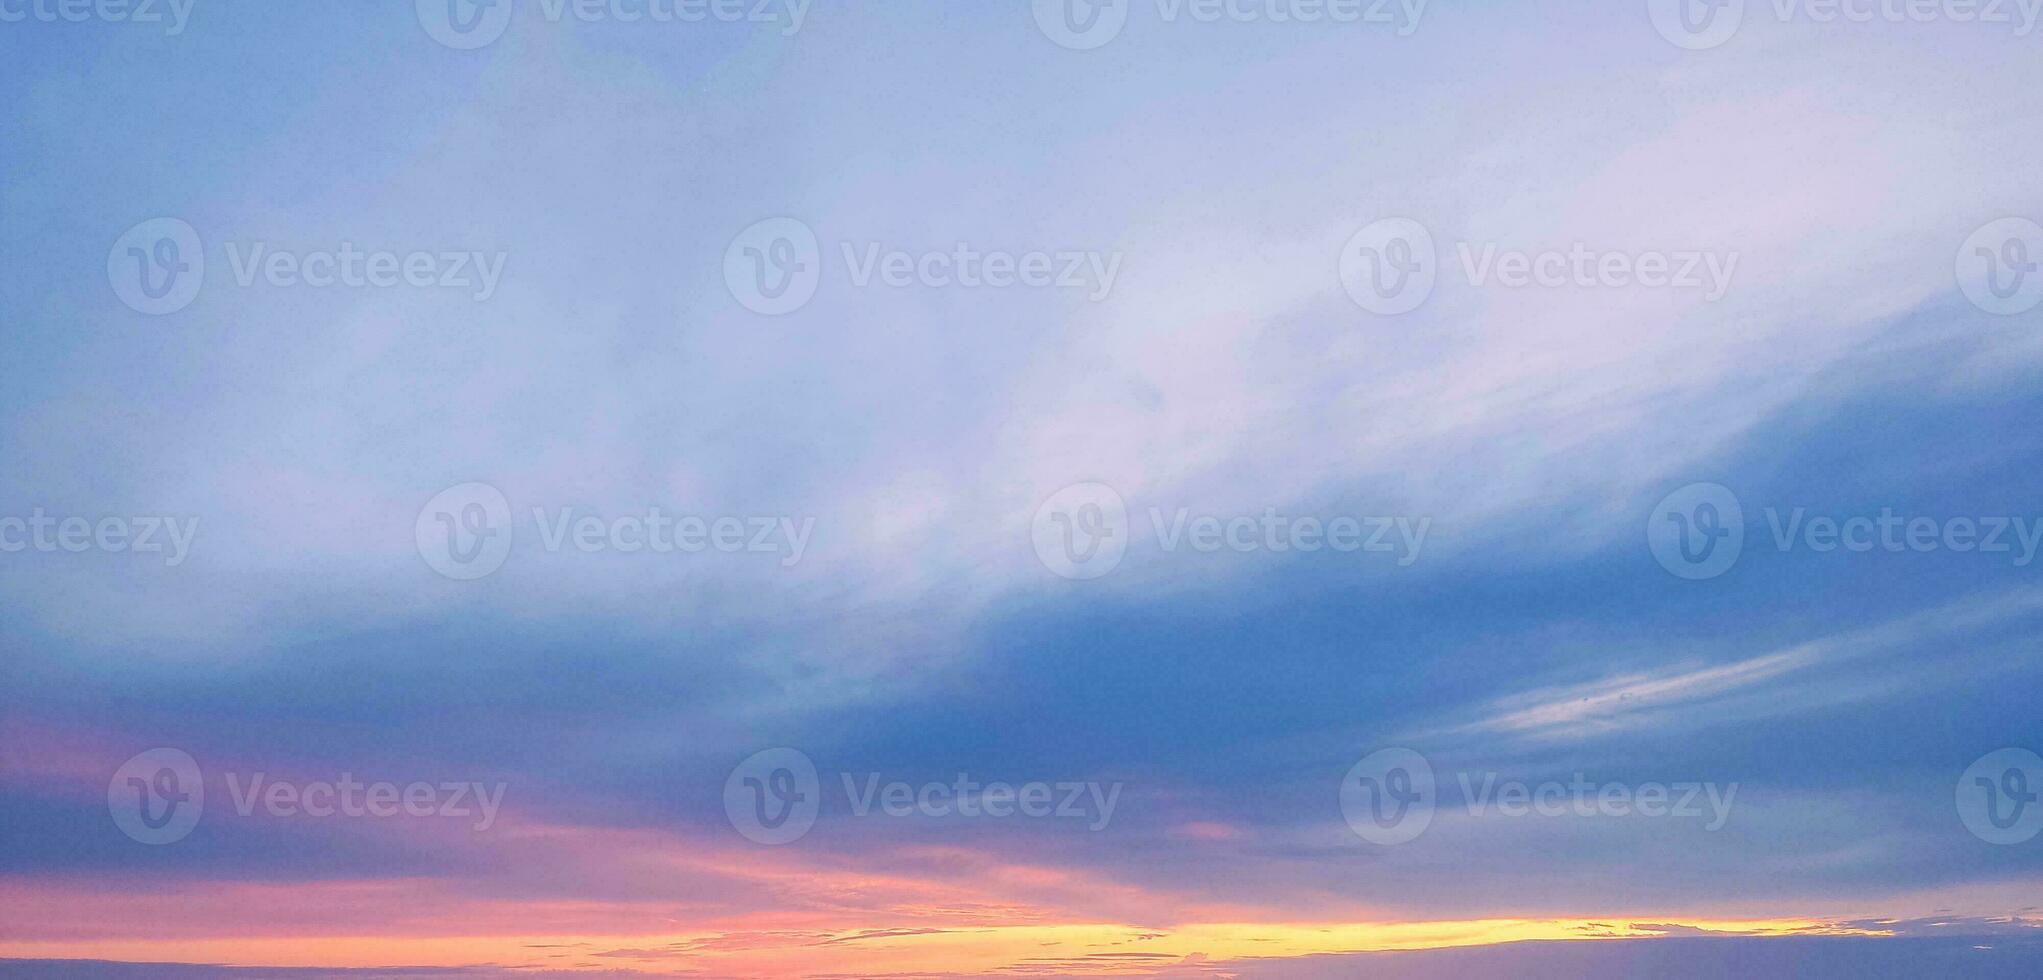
pixel 1853 665
pixel 1227 372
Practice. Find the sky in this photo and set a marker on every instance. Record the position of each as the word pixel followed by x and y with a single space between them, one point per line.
pixel 1269 488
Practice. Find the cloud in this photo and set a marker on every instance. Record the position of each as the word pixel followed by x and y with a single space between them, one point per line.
pixel 1858 664
pixel 1217 376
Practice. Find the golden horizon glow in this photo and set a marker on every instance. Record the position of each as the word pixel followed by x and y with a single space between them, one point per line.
pixel 765 952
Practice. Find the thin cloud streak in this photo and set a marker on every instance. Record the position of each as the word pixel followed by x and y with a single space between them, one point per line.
pixel 1770 684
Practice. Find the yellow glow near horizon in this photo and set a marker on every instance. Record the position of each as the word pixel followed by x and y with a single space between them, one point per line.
pixel 967 949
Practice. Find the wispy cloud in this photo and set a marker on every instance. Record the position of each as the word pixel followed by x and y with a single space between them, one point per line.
pixel 1856 664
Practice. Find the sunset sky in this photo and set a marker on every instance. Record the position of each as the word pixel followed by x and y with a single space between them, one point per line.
pixel 887 727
